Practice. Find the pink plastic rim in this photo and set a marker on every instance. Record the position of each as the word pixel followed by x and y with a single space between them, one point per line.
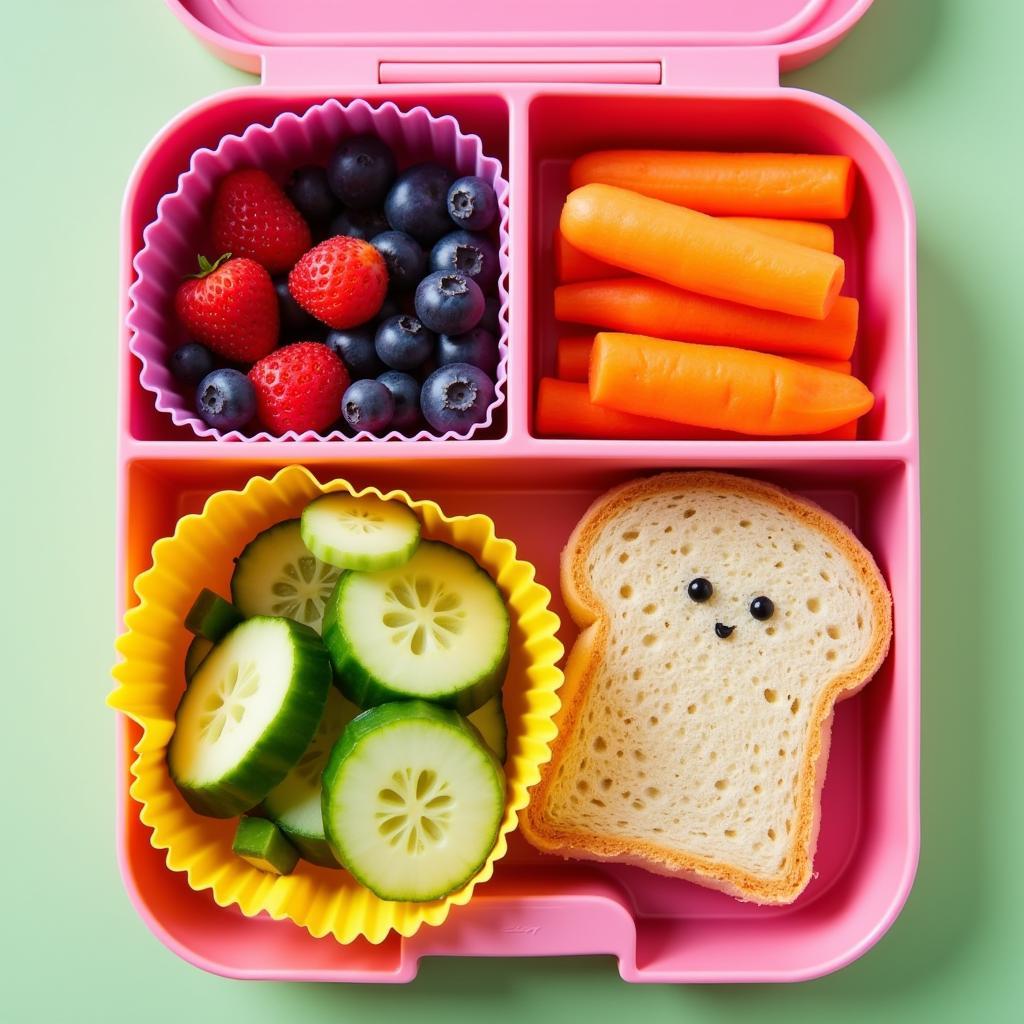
pixel 171 240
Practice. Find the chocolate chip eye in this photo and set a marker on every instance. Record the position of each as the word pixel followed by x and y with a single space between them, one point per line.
pixel 762 608
pixel 700 590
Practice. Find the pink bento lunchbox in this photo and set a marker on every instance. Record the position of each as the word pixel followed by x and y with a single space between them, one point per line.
pixel 539 83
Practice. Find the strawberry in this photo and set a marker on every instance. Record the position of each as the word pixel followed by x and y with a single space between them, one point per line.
pixel 231 307
pixel 341 281
pixel 253 217
pixel 299 387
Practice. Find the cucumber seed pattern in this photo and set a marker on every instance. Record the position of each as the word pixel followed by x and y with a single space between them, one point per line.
pixel 225 708
pixel 303 588
pixel 423 614
pixel 415 811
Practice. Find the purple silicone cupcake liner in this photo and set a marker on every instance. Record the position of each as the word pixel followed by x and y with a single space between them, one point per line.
pixel 171 242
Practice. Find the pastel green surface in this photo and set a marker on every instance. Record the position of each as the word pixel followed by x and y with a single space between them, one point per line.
pixel 87 86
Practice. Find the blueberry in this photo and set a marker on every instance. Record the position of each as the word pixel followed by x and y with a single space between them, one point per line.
pixel 368 405
pixel 403 343
pixel 474 255
pixel 361 171
pixel 455 397
pixel 364 224
pixel 295 321
pixel 225 399
pixel 476 347
pixel 489 321
pixel 405 390
pixel 308 189
pixel 472 204
pixel 406 260
pixel 355 347
pixel 191 363
pixel 418 202
pixel 449 302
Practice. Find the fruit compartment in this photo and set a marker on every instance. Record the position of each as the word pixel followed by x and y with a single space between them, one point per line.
pixel 169 202
pixel 876 241
pixel 659 929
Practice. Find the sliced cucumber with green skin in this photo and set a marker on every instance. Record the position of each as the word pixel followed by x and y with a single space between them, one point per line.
pixel 294 805
pixel 435 628
pixel 412 801
pixel 197 651
pixel 211 616
pixel 261 843
pixel 489 721
pixel 248 715
pixel 277 574
pixel 365 533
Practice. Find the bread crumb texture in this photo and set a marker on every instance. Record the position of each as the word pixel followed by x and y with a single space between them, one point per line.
pixel 690 752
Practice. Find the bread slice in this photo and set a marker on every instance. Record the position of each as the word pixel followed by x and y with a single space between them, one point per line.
pixel 681 751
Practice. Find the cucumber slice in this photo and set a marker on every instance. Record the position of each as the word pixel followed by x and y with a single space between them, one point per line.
pixel 277 575
pixel 412 801
pixel 489 721
pixel 294 805
pixel 248 714
pixel 436 628
pixel 211 616
pixel 197 651
pixel 261 843
pixel 364 533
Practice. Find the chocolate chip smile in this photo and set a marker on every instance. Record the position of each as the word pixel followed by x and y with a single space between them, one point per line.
pixel 723 632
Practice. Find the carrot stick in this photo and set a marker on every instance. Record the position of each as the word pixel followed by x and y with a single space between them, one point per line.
pixel 564 409
pixel 638 305
pixel 573 359
pixel 813 187
pixel 723 388
pixel 691 250
pixel 573 265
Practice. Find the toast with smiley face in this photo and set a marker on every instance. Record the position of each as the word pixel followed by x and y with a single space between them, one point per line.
pixel 721 619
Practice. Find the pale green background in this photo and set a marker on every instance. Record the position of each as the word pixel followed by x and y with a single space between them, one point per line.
pixel 86 86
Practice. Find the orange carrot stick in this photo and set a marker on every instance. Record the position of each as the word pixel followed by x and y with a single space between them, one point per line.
pixel 691 250
pixel 638 305
pixel 808 186
pixel 573 265
pixel 564 409
pixel 573 359
pixel 723 388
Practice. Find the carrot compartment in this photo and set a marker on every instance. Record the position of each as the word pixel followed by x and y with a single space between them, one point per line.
pixel 808 186
pixel 638 305
pixel 722 388
pixel 694 251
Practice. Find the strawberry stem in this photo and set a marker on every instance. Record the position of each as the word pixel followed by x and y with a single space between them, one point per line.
pixel 206 267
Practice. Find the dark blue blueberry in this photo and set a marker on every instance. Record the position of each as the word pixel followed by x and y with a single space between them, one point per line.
pixel 361 171
pixel 472 204
pixel 406 260
pixel 476 256
pixel 405 390
pixel 476 347
pixel 364 224
pixel 455 397
pixel 225 399
pixel 489 321
pixel 308 189
pixel 191 363
pixel 403 343
pixel 295 321
pixel 355 347
pixel 449 302
pixel 418 203
pixel 368 405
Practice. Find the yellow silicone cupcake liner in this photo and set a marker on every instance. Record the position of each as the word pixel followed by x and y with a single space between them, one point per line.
pixel 151 682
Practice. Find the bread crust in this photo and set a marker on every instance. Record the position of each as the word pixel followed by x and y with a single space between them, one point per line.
pixel 588 652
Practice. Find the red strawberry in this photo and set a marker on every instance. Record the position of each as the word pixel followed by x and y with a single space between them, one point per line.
pixel 299 387
pixel 341 281
pixel 231 307
pixel 253 217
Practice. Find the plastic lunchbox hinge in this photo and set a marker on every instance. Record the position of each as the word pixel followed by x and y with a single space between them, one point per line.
pixel 322 67
pixel 730 67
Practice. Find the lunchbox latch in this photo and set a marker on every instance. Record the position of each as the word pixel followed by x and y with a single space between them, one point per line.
pixel 594 72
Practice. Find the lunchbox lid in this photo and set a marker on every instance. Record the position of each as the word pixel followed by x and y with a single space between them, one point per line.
pixel 243 31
